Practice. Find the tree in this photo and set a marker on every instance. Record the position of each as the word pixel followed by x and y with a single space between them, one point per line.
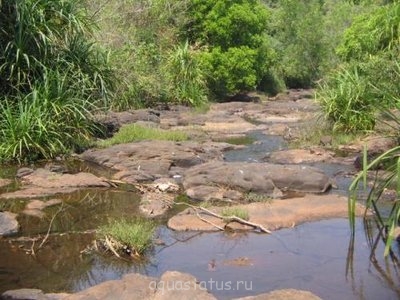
pixel 232 34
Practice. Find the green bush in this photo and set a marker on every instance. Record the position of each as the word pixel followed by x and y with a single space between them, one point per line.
pixel 372 33
pixel 236 54
pixel 368 79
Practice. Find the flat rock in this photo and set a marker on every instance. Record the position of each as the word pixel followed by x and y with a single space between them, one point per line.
pixel 42 183
pixel 48 179
pixel 286 294
pixel 262 178
pixel 8 223
pixel 130 287
pixel 172 285
pixel 149 160
pixel 30 192
pixel 272 215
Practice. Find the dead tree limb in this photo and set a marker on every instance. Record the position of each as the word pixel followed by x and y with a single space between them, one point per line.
pixel 226 219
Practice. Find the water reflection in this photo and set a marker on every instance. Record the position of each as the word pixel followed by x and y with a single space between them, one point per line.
pixel 385 269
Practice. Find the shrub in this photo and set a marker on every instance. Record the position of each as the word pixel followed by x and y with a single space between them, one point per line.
pixel 236 53
pixel 368 79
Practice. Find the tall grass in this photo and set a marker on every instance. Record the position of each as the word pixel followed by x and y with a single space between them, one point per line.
pixel 52 75
pixel 387 222
pixel 186 77
pixel 53 118
pixel 346 100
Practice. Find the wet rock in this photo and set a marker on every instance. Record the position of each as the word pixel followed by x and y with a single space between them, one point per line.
pixel 286 294
pixel 149 160
pixel 262 178
pixel 130 287
pixel 8 223
pixel 30 192
pixel 48 179
pixel 42 183
pixel 272 215
pixel 299 156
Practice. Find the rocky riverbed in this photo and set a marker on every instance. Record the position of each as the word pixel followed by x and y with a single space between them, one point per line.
pixel 279 188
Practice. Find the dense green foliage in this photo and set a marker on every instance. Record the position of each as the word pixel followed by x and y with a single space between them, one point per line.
pixel 51 74
pixel 368 77
pixel 234 35
pixel 54 73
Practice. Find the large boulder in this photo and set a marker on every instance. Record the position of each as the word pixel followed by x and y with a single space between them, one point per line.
pixel 262 178
pixel 149 160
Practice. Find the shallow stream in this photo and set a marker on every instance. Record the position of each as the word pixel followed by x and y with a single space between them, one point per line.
pixel 313 256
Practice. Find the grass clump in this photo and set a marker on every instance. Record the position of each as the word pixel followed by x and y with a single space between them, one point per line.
pixel 131 236
pixel 134 132
pixel 230 212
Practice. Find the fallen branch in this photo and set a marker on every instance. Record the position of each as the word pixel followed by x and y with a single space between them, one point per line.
pixel 227 219
pixel 209 222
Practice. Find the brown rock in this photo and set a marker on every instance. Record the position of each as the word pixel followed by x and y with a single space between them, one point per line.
pixel 130 287
pixel 272 215
pixel 287 294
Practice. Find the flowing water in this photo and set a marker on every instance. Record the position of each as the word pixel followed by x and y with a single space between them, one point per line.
pixel 313 256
